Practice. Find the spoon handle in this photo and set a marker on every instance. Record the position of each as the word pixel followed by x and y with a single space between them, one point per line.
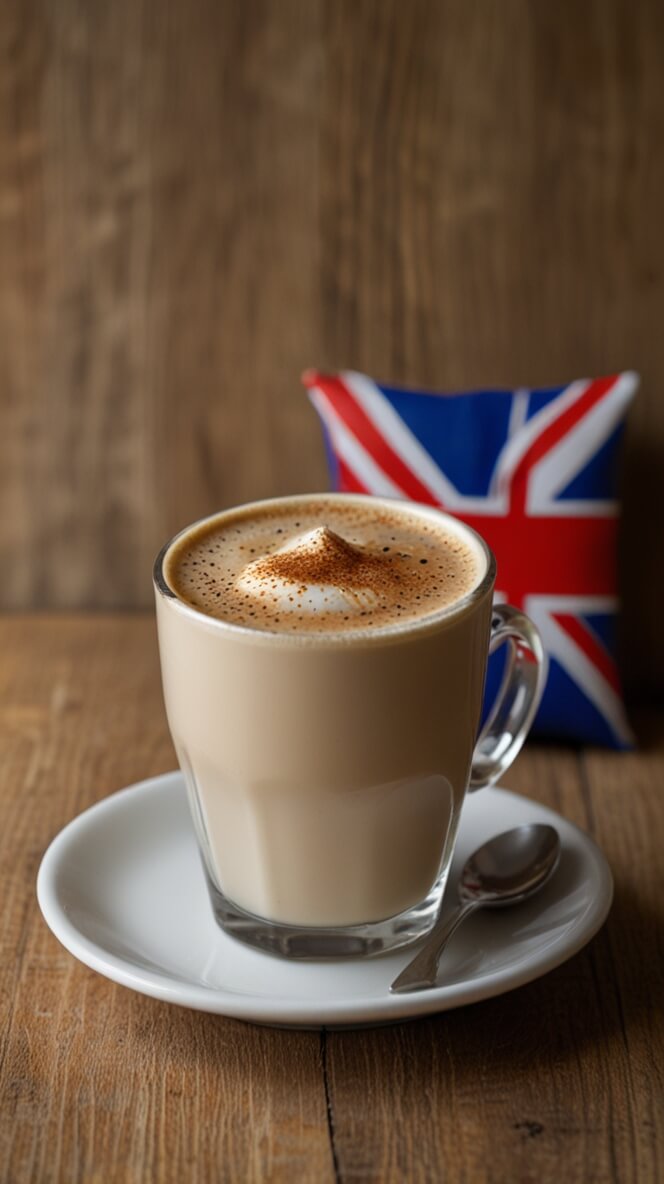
pixel 421 971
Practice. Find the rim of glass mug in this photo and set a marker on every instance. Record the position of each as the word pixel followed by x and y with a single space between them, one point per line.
pixel 364 636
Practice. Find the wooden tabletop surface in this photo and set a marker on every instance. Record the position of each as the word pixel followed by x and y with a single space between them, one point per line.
pixel 560 1080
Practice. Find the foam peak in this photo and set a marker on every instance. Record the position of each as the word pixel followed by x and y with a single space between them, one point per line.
pixel 318 571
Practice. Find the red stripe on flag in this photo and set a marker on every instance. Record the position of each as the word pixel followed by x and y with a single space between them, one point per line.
pixel 570 556
pixel 348 481
pixel 552 435
pixel 361 426
pixel 589 645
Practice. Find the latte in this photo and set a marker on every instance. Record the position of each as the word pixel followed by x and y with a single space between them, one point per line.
pixel 324 702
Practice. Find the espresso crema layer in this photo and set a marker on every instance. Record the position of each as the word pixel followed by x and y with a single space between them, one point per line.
pixel 319 565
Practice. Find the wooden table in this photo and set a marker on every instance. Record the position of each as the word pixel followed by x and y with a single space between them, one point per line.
pixel 560 1080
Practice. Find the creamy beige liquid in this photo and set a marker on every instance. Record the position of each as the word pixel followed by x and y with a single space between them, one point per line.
pixel 327 741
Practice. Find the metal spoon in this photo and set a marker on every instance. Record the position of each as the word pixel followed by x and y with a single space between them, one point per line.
pixel 506 870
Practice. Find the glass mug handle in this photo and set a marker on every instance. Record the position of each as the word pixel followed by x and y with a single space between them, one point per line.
pixel 518 698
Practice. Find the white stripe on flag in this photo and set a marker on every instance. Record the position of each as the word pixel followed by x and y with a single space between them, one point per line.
pixel 579 606
pixel 406 445
pixel 570 455
pixel 519 411
pixel 351 451
pixel 517 419
pixel 516 447
pixel 574 662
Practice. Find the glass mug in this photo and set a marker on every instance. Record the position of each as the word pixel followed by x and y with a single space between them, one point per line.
pixel 326 772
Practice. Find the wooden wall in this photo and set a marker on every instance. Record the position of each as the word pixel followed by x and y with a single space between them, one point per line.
pixel 199 198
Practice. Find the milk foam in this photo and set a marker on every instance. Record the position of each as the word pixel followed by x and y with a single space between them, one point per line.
pixel 316 572
pixel 316 564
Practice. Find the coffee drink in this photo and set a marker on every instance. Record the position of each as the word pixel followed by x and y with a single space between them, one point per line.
pixel 323 661
pixel 317 566
pixel 326 780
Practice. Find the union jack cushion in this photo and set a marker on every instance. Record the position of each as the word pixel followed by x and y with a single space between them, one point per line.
pixel 535 473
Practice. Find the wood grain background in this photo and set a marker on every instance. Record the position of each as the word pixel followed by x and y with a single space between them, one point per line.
pixel 197 200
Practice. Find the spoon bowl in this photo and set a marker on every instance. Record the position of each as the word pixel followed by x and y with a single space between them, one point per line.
pixel 511 866
pixel 507 869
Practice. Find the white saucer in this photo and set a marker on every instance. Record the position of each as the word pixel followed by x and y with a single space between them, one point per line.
pixel 123 890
